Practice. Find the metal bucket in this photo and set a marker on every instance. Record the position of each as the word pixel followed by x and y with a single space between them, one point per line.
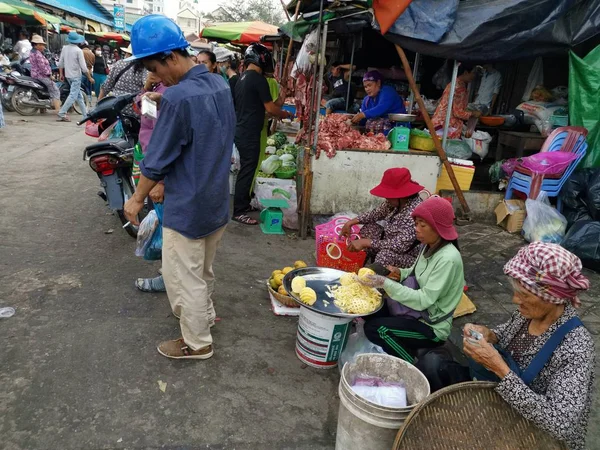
pixel 363 424
pixel 321 338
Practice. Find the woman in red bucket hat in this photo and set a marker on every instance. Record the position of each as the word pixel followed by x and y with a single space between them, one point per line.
pixel 419 309
pixel 393 243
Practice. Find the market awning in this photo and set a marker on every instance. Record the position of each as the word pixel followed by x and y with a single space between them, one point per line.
pixel 238 32
pixel 27 13
pixel 7 9
pixel 109 36
pixel 495 30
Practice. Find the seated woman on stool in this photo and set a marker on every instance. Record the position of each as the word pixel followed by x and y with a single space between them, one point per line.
pixel 418 314
pixel 391 244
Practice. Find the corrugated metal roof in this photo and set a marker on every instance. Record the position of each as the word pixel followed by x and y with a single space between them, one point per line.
pixel 90 9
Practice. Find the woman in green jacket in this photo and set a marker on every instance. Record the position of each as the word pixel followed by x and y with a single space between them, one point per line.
pixel 419 309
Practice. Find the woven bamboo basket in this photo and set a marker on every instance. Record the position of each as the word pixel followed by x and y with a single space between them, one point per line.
pixel 470 416
pixel 283 299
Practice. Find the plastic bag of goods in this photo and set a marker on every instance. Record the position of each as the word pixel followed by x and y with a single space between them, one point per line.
pixel 543 222
pixel 235 160
pixel 153 251
pixel 549 163
pixel 479 143
pixel 357 344
pixel 145 232
pixel 455 148
pixel 583 240
pixel 391 394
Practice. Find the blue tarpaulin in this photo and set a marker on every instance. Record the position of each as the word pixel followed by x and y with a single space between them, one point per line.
pixel 90 9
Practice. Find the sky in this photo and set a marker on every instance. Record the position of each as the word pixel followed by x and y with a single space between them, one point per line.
pixel 172 6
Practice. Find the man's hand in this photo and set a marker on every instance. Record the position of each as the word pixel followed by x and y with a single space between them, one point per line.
pixel 156 97
pixel 358 117
pixel 157 194
pixel 132 208
pixel 359 244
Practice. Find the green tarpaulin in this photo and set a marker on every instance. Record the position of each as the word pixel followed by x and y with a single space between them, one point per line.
pixel 584 101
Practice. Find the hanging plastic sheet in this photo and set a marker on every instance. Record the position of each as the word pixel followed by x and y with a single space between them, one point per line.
pixel 497 30
pixel 584 101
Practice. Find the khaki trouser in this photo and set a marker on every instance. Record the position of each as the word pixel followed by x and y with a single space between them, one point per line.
pixel 190 282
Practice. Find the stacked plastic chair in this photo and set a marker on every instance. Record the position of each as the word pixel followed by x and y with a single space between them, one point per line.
pixel 563 139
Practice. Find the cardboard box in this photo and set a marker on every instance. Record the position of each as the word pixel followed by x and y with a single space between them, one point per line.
pixel 510 215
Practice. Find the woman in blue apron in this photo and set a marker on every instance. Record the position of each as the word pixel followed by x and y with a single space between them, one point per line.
pixel 543 357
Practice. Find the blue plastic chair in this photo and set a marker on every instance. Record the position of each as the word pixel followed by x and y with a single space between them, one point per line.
pixel 569 139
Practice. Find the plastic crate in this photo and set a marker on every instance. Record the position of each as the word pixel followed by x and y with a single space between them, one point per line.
pixel 332 249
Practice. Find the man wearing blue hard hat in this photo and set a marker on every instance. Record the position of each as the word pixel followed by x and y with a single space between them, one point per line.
pixel 72 66
pixel 190 149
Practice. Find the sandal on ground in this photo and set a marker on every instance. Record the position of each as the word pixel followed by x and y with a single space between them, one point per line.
pixel 245 220
pixel 156 284
pixel 63 119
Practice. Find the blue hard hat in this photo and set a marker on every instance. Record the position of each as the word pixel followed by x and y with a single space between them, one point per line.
pixel 155 34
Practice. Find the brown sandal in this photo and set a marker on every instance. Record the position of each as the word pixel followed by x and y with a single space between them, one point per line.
pixel 245 220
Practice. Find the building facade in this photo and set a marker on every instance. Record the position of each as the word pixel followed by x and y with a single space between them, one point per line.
pixel 131 6
pixel 188 21
pixel 154 6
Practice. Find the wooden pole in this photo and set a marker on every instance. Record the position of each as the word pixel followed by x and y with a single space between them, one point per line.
pixel 304 200
pixel 289 50
pixel 285 9
pixel 436 140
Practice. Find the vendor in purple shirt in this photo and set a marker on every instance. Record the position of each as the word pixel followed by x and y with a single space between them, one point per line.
pixel 388 232
pixel 380 101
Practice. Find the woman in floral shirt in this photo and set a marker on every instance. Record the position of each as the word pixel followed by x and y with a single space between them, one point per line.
pixel 388 233
pixel 41 71
pixel 466 74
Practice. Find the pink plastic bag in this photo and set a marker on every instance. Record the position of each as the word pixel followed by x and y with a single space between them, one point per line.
pixel 509 166
pixel 549 163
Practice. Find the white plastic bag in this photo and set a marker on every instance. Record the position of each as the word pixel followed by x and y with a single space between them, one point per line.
pixel 357 344
pixel 302 63
pixel 543 222
pixel 145 232
pixel 235 160
pixel 479 143
pixel 392 396
pixel 270 188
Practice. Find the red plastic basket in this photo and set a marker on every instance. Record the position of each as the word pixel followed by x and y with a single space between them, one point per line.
pixel 332 249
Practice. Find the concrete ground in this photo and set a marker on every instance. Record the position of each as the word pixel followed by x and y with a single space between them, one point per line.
pixel 79 367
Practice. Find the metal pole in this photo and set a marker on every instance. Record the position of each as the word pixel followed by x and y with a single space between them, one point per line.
pixel 350 74
pixel 411 97
pixel 314 79
pixel 320 82
pixel 450 101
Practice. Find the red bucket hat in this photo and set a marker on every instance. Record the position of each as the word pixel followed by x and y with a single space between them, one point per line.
pixel 396 183
pixel 439 214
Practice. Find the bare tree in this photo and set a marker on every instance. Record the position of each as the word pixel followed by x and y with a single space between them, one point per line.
pixel 268 11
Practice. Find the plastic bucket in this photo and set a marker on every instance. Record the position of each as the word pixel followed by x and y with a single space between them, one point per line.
pixel 363 424
pixel 320 338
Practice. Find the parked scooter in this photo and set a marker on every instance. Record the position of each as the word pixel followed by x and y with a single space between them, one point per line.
pixel 6 89
pixel 30 95
pixel 112 159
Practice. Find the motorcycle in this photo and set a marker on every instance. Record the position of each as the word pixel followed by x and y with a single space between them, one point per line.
pixel 112 159
pixel 30 95
pixel 6 89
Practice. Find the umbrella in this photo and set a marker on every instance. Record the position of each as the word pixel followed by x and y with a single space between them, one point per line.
pixel 7 9
pixel 239 32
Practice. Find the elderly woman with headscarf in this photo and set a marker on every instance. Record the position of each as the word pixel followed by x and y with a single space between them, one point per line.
pixel 380 100
pixel 543 357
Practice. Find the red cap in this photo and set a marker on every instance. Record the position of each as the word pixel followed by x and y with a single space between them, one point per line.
pixel 396 183
pixel 439 214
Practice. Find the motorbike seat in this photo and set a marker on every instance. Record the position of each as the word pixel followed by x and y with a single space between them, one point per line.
pixel 26 78
pixel 119 145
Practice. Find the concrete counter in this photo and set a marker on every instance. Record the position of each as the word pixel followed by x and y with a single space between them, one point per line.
pixel 343 182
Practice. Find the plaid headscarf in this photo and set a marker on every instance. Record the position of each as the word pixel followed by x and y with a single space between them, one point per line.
pixel 548 271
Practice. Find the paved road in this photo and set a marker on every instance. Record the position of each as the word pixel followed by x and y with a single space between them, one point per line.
pixel 79 367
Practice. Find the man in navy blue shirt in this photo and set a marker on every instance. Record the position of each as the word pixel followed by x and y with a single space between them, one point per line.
pixel 190 150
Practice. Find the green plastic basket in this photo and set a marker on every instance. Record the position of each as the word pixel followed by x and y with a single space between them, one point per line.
pixel 285 174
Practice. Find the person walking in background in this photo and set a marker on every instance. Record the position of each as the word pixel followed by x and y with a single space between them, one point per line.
pixel 209 59
pixel 90 59
pixel 71 66
pixel 125 77
pixel 190 150
pixel 100 70
pixel 41 71
pixel 23 47
pixel 252 100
